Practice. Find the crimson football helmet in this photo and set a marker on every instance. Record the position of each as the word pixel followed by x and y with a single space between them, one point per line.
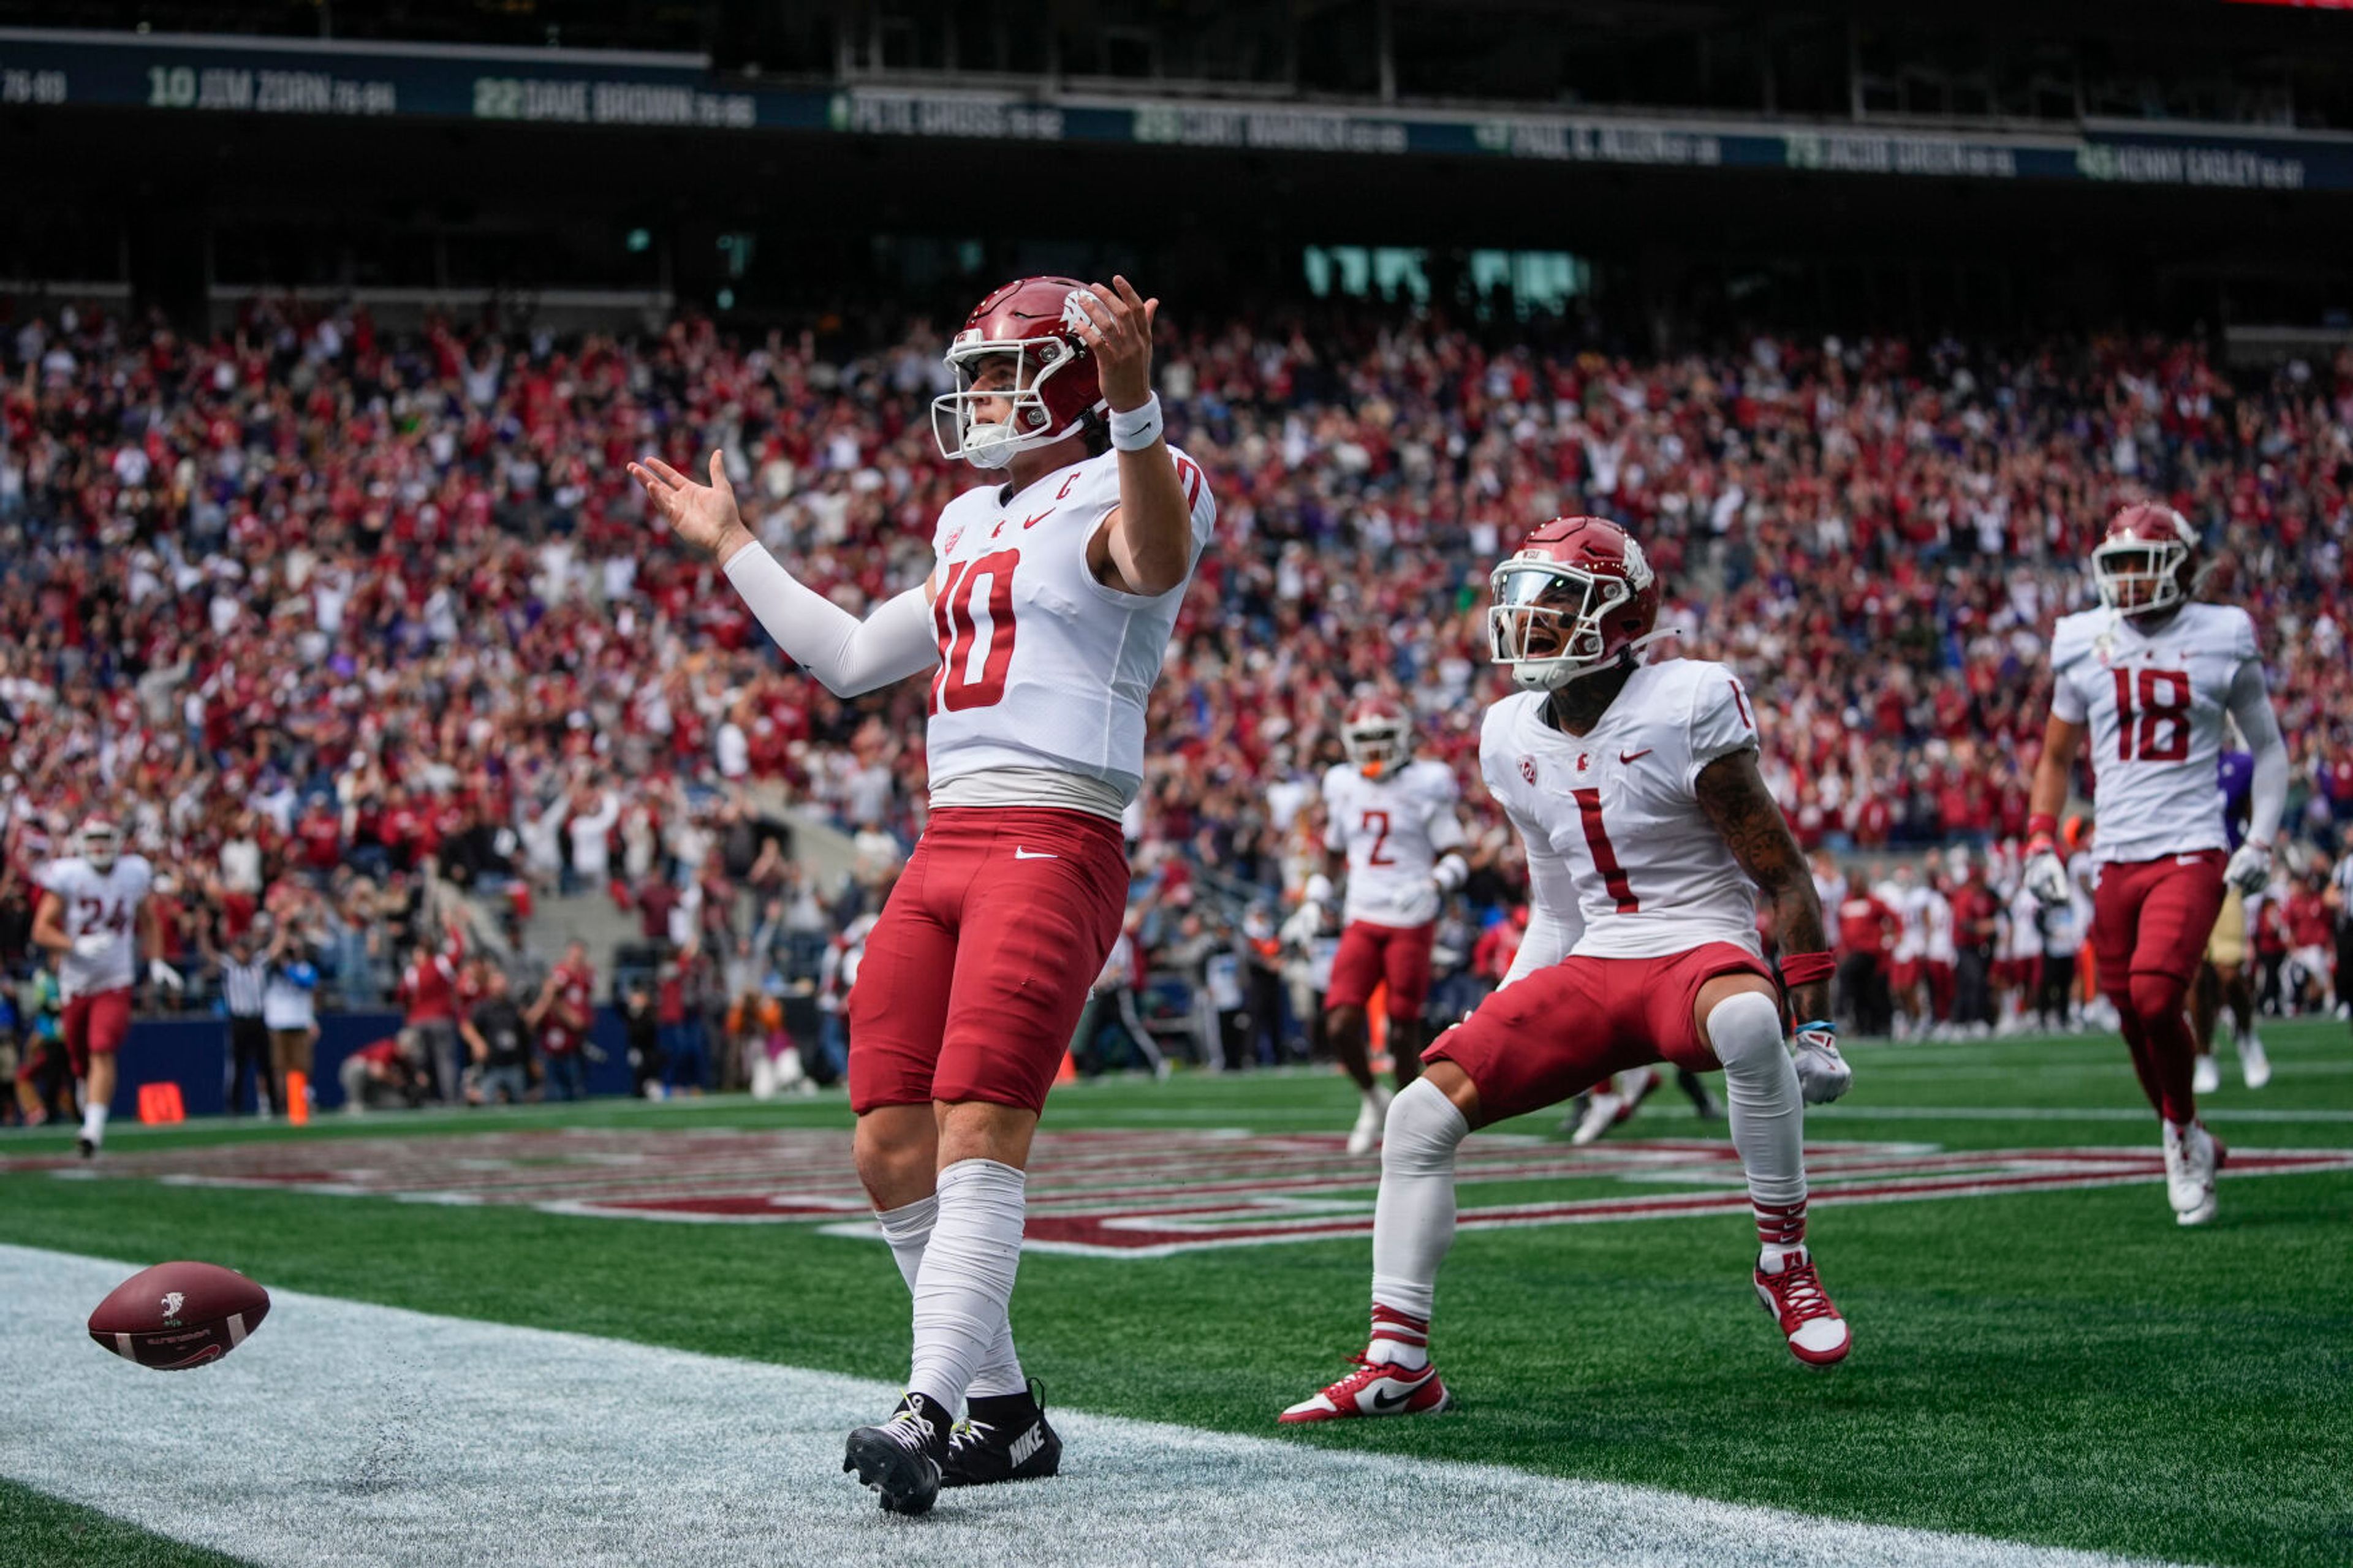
pixel 1032 327
pixel 101 844
pixel 2149 560
pixel 1578 597
pixel 1376 735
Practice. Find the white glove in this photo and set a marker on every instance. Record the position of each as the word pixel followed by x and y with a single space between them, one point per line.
pixel 2046 878
pixel 1318 890
pixel 2249 867
pixel 1822 1074
pixel 94 945
pixel 164 974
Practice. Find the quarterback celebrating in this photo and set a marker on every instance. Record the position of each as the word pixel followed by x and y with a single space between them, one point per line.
pixel 1635 789
pixel 2151 675
pixel 93 909
pixel 1056 587
pixel 1389 824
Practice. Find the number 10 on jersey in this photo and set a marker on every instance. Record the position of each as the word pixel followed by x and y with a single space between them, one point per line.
pixel 954 688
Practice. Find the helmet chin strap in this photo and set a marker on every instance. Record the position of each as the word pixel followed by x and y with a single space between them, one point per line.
pixel 994 450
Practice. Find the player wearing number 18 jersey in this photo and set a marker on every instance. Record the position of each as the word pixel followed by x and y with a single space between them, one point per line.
pixel 1390 825
pixel 2149 677
pixel 1042 626
pixel 1647 829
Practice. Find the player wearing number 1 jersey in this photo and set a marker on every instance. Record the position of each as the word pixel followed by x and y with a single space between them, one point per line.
pixel 2149 677
pixel 1389 824
pixel 93 914
pixel 1648 830
pixel 1042 624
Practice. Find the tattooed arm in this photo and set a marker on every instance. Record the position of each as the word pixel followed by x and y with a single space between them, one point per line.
pixel 1734 795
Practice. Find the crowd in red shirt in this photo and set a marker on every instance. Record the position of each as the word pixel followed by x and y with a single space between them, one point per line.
pixel 310 596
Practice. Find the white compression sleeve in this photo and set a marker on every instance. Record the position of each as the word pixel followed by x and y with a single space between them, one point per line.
pixel 1413 1217
pixel 1555 921
pixel 2251 705
pixel 909 1231
pixel 966 1283
pixel 1766 1111
pixel 849 654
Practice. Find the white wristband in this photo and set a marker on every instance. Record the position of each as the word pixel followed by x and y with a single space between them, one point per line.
pixel 1134 429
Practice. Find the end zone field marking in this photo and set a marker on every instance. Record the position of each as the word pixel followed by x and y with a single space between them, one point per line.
pixel 371 1435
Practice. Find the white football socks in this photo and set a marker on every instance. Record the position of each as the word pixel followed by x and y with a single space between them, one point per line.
pixel 907 1230
pixel 93 1121
pixel 1413 1219
pixel 1768 1115
pixel 964 1282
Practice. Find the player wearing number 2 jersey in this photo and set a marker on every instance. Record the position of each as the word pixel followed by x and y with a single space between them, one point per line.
pixel 93 915
pixel 1042 624
pixel 2151 675
pixel 1389 824
pixel 1648 828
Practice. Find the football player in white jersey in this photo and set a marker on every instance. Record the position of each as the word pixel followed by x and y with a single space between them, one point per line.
pixel 93 914
pixel 1648 830
pixel 2150 676
pixel 1042 627
pixel 1390 827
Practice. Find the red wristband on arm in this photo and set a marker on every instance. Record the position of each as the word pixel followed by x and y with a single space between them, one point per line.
pixel 2042 825
pixel 1805 968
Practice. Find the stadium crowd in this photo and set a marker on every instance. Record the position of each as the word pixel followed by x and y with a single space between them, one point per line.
pixel 341 621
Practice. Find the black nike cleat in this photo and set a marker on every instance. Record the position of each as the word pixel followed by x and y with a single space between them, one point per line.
pixel 1023 1449
pixel 900 1459
pixel 88 1148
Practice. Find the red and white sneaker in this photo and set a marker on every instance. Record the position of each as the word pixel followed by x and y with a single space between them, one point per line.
pixel 1375 1388
pixel 1794 1295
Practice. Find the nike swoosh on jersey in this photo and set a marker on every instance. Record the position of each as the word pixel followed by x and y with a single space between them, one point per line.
pixel 1029 523
pixel 1635 756
pixel 1021 854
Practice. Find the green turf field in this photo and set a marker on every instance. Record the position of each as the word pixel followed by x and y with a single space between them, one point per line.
pixel 2056 1366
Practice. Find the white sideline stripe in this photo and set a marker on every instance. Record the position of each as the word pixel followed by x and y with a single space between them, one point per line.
pixel 364 1434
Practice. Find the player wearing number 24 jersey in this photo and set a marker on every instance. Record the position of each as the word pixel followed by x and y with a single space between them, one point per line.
pixel 93 915
pixel 1648 828
pixel 1042 629
pixel 2149 678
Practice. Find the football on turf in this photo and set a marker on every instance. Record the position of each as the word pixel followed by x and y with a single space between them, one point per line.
pixel 178 1315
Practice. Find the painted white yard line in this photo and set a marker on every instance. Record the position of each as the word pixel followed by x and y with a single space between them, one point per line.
pixel 352 1434
pixel 2206 1112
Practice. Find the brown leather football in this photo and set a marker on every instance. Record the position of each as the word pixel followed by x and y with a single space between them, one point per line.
pixel 179 1315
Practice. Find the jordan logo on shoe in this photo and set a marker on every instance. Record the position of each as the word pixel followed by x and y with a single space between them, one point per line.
pixel 1021 854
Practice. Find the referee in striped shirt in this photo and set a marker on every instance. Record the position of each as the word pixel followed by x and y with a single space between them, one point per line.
pixel 243 972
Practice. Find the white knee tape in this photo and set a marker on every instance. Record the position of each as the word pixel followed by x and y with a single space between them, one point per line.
pixel 1422 1129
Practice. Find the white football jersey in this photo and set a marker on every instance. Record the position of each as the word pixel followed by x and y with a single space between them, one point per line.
pixel 1042 665
pixel 1936 928
pixel 1911 940
pixel 1616 810
pixel 2155 704
pixel 96 904
pixel 1392 829
pixel 2023 939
